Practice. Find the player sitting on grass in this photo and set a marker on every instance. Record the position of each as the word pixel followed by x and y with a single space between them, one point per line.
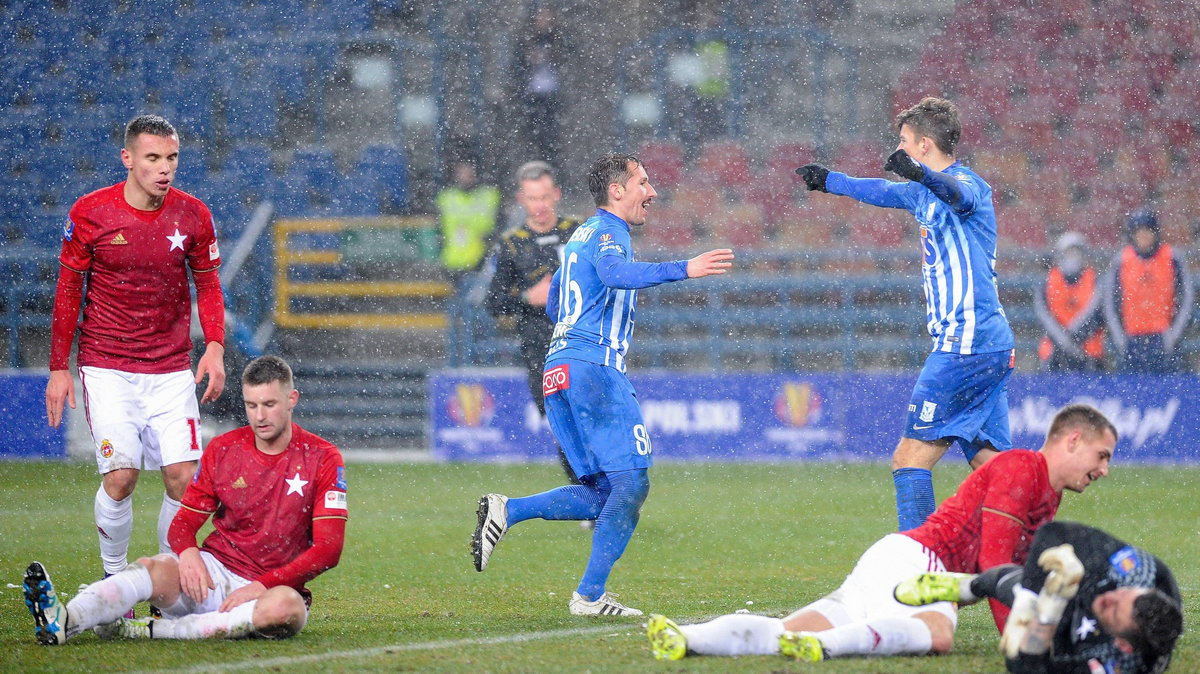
pixel 988 521
pixel 277 494
pixel 1084 602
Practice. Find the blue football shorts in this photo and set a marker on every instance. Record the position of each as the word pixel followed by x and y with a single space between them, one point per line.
pixel 963 399
pixel 595 416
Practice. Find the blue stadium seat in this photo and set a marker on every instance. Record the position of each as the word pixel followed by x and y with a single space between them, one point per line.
pixel 317 164
pixel 248 164
pixel 386 167
pixel 252 114
pixel 293 74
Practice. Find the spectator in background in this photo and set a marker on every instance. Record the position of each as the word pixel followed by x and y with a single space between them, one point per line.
pixel 539 60
pixel 524 260
pixel 1068 307
pixel 467 217
pixel 1147 299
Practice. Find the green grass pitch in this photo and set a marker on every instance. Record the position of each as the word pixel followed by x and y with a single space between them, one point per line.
pixel 713 539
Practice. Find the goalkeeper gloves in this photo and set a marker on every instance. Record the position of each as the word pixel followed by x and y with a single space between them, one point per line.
pixel 814 176
pixel 904 166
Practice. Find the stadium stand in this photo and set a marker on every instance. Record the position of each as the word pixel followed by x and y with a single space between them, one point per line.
pixel 1077 113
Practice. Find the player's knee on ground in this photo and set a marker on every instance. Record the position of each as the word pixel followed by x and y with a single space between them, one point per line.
pixel 280 613
pixel 941 632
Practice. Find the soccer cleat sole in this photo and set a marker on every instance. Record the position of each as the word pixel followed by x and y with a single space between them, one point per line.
pixel 929 588
pixel 487 533
pixel 36 587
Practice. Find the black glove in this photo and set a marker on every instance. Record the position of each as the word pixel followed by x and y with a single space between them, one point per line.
pixel 904 166
pixel 814 176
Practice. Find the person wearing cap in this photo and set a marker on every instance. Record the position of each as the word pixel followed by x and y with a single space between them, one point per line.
pixel 1148 299
pixel 1068 307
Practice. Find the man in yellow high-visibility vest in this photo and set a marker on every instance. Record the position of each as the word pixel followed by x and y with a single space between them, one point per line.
pixel 467 217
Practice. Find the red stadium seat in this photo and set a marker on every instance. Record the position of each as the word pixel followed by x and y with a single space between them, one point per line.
pixel 726 160
pixel 664 163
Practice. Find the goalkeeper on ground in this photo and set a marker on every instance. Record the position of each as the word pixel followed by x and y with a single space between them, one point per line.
pixel 1084 602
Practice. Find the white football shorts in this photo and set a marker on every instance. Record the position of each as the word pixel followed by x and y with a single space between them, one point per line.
pixel 868 591
pixel 224 582
pixel 142 421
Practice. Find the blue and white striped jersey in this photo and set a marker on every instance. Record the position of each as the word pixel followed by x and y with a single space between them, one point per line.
pixel 958 246
pixel 593 294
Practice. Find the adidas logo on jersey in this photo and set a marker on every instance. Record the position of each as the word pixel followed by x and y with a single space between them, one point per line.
pixel 239 483
pixel 119 240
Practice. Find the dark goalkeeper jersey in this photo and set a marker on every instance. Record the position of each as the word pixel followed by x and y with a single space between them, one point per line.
pixel 1109 564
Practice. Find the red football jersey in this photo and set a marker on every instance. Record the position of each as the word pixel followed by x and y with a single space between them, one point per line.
pixel 137 316
pixel 263 506
pixel 992 517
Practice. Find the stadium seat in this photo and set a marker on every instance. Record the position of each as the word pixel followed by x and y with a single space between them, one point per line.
pixel 861 158
pixel 670 230
pixel 664 162
pixel 726 160
pixel 249 163
pixel 386 168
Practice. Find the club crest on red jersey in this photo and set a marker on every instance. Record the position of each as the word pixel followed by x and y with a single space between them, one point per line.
pixel 68 229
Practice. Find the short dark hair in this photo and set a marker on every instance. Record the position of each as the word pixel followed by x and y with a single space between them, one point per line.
pixel 936 118
pixel 267 369
pixel 154 125
pixel 532 170
pixel 1159 621
pixel 1076 415
pixel 611 168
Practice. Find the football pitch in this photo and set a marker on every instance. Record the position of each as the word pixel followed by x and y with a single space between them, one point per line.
pixel 713 539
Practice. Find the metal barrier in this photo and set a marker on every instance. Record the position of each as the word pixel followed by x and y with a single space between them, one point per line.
pixel 337 273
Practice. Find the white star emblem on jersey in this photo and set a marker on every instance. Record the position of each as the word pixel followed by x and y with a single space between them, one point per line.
pixel 1086 627
pixel 176 241
pixel 296 485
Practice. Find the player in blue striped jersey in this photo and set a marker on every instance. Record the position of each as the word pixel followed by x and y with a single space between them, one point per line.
pixel 590 404
pixel 962 393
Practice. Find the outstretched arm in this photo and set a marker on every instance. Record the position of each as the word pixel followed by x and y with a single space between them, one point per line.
pixel 873 191
pixel 616 272
pixel 944 186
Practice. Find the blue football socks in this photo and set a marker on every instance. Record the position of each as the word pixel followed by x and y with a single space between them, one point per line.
pixel 618 518
pixel 914 496
pixel 571 502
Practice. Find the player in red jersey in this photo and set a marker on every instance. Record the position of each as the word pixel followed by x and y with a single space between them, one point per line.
pixel 135 243
pixel 990 520
pixel 277 496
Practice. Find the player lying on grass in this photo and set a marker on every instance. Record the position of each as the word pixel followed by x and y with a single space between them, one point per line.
pixel 989 520
pixel 1084 602
pixel 277 495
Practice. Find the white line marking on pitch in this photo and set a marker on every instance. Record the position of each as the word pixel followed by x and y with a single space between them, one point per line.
pixel 399 648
